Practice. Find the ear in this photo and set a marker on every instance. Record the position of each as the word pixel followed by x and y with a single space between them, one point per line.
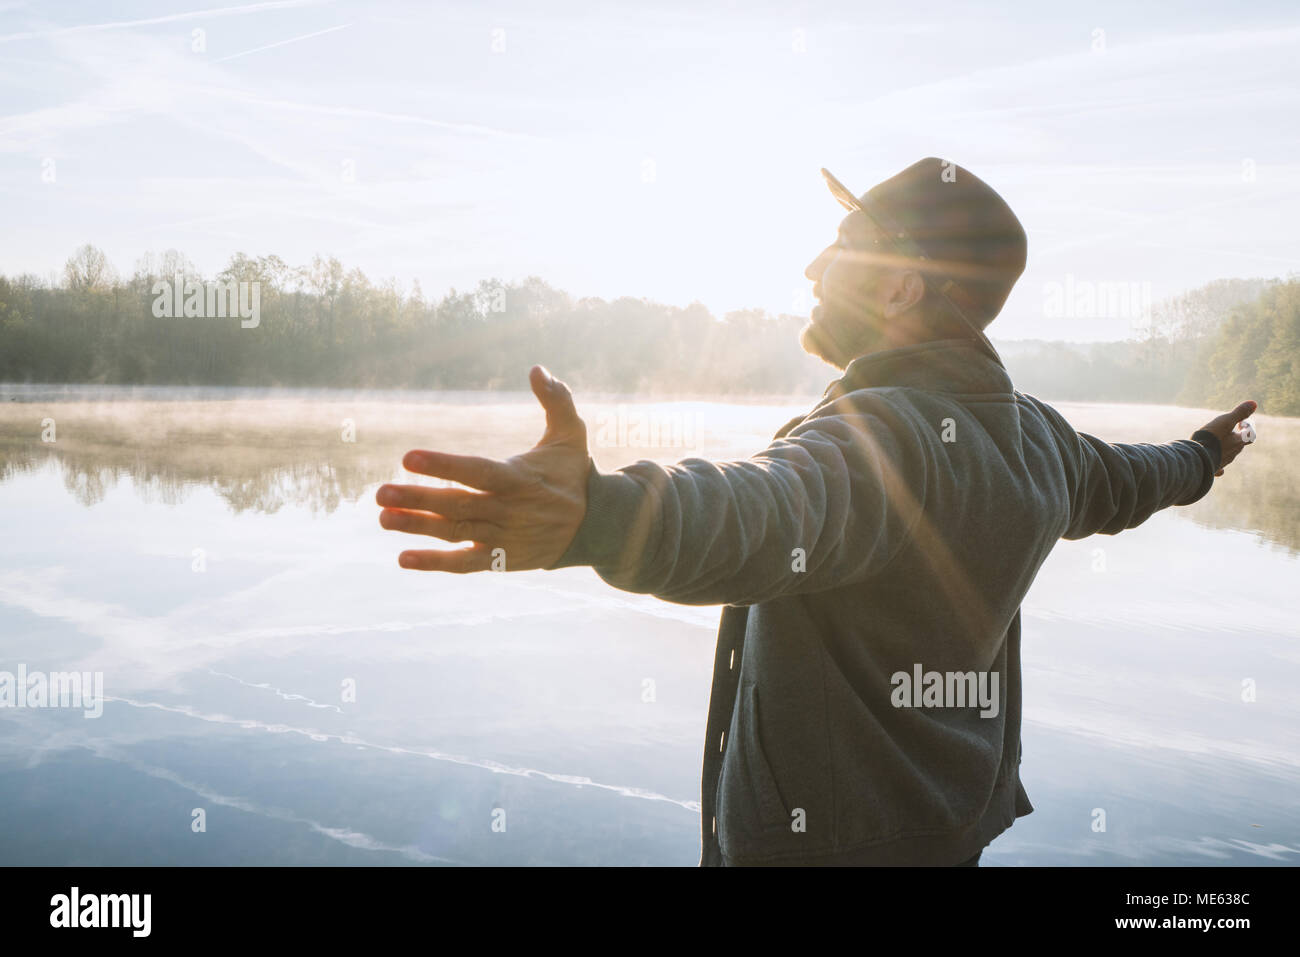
pixel 907 290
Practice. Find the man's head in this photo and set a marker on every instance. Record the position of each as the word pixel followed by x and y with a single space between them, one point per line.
pixel 930 253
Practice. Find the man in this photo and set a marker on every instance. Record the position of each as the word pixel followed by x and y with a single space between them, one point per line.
pixel 872 560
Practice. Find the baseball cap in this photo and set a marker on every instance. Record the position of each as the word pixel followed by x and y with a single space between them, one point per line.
pixel 962 235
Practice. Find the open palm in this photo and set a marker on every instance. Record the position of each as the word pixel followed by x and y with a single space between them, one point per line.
pixel 520 513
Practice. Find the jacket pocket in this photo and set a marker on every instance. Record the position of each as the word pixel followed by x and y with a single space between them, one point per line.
pixel 765 784
pixel 752 815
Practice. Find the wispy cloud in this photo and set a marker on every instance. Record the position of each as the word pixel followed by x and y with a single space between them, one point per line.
pixel 435 143
pixel 280 43
pixel 484 764
pixel 208 13
pixel 350 112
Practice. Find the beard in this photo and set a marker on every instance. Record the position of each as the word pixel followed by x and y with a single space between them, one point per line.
pixel 815 342
pixel 838 339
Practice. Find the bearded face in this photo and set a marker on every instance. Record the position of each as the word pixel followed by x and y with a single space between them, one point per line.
pixel 849 318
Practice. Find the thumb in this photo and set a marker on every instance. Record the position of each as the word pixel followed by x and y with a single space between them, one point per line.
pixel 562 419
pixel 1227 422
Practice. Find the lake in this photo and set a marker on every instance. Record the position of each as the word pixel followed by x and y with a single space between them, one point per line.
pixel 277 691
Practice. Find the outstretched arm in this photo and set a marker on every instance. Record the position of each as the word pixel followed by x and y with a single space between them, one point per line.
pixel 823 506
pixel 1117 486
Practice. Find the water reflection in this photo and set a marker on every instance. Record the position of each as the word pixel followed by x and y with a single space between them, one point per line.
pixel 526 692
pixel 260 455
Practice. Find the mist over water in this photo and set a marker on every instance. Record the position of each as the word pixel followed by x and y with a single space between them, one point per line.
pixel 216 554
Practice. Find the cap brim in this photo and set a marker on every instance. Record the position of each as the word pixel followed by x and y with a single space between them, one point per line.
pixel 841 192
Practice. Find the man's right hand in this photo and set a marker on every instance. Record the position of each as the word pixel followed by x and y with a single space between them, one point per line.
pixel 1224 428
pixel 525 510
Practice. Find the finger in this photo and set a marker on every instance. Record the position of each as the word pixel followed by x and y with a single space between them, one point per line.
pixel 477 558
pixel 562 419
pixel 452 503
pixel 1229 420
pixel 487 474
pixel 439 526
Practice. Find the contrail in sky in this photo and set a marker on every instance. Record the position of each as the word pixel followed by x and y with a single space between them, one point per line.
pixel 169 18
pixel 280 43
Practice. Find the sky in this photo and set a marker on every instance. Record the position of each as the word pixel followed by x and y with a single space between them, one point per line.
pixel 668 150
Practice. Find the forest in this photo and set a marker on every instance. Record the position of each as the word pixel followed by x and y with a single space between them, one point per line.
pixel 324 325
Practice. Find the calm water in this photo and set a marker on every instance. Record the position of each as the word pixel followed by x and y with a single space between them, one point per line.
pixel 216 555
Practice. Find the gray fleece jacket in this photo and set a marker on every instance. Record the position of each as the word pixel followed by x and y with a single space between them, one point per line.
pixel 889 534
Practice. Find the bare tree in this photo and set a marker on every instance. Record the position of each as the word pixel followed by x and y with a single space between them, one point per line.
pixel 89 268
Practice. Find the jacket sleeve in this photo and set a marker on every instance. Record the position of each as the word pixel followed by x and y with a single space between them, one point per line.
pixel 821 507
pixel 1114 487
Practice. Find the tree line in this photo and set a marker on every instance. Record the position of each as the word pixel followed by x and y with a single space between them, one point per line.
pixel 324 325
